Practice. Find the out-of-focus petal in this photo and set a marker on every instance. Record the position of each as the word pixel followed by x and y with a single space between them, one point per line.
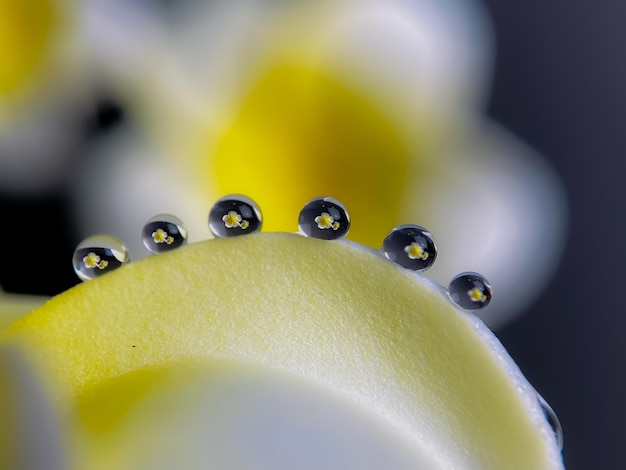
pixel 31 435
pixel 27 40
pixel 234 417
pixel 379 104
pixel 289 89
pixel 126 181
pixel 501 210
pixel 14 306
pixel 44 88
pixel 198 60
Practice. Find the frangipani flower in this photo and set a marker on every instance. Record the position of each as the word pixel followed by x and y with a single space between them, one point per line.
pixel 278 361
pixel 378 103
pixel 250 353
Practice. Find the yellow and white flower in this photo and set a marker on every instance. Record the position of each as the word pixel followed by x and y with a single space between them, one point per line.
pixel 384 98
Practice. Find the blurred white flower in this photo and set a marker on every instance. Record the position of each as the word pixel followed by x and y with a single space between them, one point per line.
pixel 386 97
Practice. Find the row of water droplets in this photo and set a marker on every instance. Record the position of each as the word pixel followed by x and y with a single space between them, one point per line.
pixel 409 246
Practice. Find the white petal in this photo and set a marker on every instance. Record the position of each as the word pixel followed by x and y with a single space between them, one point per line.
pixel 30 431
pixel 503 213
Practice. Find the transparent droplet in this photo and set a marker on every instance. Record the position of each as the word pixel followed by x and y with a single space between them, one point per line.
pixel 163 232
pixel 553 420
pixel 470 291
pixel 325 218
pixel 234 215
pixel 97 255
pixel 410 246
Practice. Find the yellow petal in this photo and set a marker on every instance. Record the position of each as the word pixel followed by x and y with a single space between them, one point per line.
pixel 333 314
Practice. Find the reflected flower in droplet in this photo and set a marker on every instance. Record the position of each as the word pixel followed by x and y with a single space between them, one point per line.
pixel 234 215
pixel 470 291
pixel 160 236
pixel 324 221
pixel 163 232
pixel 416 251
pixel 97 255
pixel 411 247
pixel 92 260
pixel 324 218
pixel 232 219
pixel 476 295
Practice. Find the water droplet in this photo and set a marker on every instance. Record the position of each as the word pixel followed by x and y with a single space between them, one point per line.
pixel 470 291
pixel 410 246
pixel 234 215
pixel 325 218
pixel 97 255
pixel 553 420
pixel 163 232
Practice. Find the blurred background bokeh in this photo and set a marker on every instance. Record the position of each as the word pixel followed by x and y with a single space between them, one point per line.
pixel 497 125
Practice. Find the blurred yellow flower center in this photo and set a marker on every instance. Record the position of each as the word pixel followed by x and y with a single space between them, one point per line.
pixel 301 134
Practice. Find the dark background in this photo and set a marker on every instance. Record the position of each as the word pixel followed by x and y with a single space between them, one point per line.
pixel 560 85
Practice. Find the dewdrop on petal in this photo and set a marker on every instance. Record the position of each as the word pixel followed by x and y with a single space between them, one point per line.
pixel 410 246
pixel 316 340
pixel 325 218
pixel 97 255
pixel 470 291
pixel 553 420
pixel 163 232
pixel 235 215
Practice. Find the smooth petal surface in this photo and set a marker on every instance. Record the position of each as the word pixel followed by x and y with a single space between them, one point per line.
pixel 334 314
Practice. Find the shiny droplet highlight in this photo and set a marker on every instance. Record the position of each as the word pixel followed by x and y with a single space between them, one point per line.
pixel 410 246
pixel 234 215
pixel 325 218
pixel 470 291
pixel 163 232
pixel 553 420
pixel 97 255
